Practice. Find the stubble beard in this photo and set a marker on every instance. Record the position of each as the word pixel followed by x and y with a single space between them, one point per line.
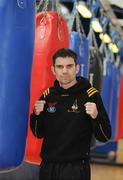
pixel 66 83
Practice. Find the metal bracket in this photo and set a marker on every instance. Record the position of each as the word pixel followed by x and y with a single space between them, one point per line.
pixel 22 3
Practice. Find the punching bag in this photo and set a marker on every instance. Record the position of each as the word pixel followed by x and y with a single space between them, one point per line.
pixel 119 133
pixel 17 24
pixel 96 68
pixel 51 35
pixel 106 84
pixel 114 99
pixel 102 151
pixel 81 47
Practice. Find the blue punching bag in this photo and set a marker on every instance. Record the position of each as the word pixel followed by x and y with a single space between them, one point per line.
pixel 106 84
pixel 114 99
pixel 104 150
pixel 17 27
pixel 79 44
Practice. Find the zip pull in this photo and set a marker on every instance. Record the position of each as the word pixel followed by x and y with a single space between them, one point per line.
pixel 22 3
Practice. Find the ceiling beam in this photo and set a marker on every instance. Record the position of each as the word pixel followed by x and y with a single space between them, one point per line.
pixel 118 3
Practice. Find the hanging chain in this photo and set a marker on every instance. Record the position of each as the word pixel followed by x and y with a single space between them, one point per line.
pixel 78 23
pixel 45 6
pixel 73 16
pixel 81 26
pixel 89 37
pixel 39 5
pixel 58 10
pixel 58 7
pixel 45 11
pixel 94 40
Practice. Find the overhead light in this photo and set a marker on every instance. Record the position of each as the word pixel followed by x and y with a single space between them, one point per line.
pixel 96 25
pixel 83 10
pixel 113 47
pixel 105 38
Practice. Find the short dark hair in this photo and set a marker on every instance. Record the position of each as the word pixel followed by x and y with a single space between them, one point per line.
pixel 64 52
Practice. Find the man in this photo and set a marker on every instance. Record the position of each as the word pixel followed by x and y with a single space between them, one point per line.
pixel 66 116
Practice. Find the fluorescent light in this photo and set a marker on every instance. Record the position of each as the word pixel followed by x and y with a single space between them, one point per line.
pixel 105 37
pixel 96 25
pixel 113 47
pixel 83 10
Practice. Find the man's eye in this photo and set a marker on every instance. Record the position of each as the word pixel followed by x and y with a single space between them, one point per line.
pixel 59 67
pixel 70 66
pixel 62 67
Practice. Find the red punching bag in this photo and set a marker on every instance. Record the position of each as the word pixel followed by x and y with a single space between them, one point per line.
pixel 119 133
pixel 51 34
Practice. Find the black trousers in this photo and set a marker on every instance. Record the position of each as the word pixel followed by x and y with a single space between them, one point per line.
pixel 79 170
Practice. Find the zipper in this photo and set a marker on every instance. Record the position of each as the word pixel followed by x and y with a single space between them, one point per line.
pixel 103 132
pixel 36 128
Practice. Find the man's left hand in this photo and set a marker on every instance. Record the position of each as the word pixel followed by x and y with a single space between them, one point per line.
pixel 91 109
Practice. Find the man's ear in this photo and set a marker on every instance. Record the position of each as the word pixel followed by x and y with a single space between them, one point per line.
pixel 77 68
pixel 53 70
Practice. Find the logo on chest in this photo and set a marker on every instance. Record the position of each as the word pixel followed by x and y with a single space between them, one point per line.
pixel 74 107
pixel 51 107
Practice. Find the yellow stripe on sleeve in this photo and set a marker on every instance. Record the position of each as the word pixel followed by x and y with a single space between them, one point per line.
pixel 92 93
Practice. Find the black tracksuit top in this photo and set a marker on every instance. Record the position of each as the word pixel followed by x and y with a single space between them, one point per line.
pixel 64 124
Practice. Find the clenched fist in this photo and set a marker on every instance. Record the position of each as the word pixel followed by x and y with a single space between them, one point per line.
pixel 39 106
pixel 91 109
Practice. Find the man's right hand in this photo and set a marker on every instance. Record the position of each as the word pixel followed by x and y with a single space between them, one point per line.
pixel 39 106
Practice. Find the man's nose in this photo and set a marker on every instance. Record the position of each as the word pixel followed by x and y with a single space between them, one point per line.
pixel 64 70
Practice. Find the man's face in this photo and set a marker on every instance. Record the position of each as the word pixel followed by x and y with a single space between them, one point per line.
pixel 65 70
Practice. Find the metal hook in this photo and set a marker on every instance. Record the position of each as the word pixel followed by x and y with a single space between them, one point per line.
pixel 22 3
